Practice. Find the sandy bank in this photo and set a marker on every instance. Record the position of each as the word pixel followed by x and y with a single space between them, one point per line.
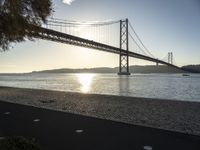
pixel 165 114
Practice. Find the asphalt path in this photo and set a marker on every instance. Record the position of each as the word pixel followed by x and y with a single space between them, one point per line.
pixel 55 130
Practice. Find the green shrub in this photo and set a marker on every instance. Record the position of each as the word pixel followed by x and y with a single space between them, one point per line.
pixel 18 143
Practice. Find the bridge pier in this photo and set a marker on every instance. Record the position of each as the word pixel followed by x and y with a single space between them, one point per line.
pixel 124 57
pixel 124 73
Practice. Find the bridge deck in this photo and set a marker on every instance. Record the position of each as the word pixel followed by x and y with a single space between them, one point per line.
pixel 56 36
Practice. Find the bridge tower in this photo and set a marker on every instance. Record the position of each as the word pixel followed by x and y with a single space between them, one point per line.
pixel 170 58
pixel 123 57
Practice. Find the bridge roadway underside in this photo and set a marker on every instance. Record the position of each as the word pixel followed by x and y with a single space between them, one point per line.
pixel 56 36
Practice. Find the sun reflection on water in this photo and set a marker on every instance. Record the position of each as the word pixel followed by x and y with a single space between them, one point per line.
pixel 85 80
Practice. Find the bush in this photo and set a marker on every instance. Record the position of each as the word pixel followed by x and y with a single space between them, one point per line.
pixel 18 143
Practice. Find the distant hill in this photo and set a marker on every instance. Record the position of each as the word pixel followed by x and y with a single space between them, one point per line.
pixel 192 68
pixel 133 69
pixel 83 70
pixel 154 69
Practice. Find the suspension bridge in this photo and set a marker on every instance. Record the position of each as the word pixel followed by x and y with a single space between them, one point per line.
pixel 116 36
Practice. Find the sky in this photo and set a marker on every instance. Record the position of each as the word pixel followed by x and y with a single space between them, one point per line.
pixel 163 25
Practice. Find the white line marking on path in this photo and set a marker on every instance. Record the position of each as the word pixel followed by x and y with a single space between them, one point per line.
pixel 36 120
pixel 7 113
pixel 147 148
pixel 79 131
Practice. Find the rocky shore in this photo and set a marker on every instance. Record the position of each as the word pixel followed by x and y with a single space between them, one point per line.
pixel 172 115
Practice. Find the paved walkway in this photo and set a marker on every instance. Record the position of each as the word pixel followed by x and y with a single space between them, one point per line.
pixel 58 130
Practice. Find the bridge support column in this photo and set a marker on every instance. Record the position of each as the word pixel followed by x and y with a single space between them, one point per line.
pixel 124 58
pixel 157 64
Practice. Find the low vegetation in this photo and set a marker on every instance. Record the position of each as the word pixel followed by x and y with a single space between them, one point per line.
pixel 18 143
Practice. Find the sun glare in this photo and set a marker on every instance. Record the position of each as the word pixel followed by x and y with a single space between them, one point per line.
pixel 85 81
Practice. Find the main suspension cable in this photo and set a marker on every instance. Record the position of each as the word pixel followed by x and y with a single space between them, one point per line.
pixel 76 23
pixel 141 41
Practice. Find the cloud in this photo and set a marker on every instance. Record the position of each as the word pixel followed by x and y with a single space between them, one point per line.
pixel 68 2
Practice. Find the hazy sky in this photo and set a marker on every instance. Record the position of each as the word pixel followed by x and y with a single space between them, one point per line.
pixel 163 26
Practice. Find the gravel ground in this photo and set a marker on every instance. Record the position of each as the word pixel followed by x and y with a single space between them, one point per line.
pixel 172 115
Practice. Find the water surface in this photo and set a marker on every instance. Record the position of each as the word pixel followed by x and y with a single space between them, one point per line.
pixel 164 86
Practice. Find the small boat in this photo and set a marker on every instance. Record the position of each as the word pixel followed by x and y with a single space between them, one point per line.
pixel 185 75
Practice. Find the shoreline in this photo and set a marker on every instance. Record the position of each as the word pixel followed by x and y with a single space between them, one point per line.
pixel 173 115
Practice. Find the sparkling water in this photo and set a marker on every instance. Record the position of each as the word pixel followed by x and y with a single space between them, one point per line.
pixel 164 86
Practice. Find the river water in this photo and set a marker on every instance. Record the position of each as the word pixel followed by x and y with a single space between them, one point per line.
pixel 164 86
